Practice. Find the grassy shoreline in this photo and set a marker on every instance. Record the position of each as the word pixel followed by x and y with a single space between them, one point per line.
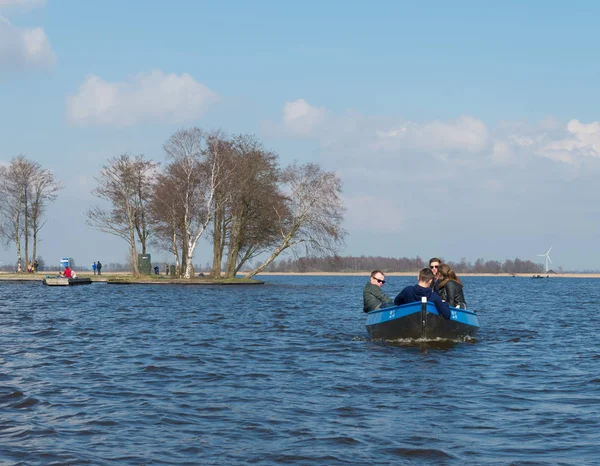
pixel 124 278
pixel 127 278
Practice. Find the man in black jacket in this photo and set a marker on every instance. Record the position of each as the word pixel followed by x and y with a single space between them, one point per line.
pixel 373 297
pixel 414 293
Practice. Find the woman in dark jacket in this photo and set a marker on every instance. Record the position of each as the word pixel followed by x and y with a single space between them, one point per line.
pixel 451 288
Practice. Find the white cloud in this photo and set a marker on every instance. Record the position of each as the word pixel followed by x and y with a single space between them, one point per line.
pixel 465 140
pixel 301 118
pixel 24 48
pixel 463 134
pixel 571 143
pixel 145 97
pixel 352 129
pixel 585 141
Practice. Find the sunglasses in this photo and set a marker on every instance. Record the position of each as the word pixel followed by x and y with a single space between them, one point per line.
pixel 434 266
pixel 378 280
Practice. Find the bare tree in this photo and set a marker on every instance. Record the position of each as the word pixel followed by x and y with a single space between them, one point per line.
pixel 196 168
pixel 166 213
pixel 12 202
pixel 253 192
pixel 25 191
pixel 44 190
pixel 313 216
pixel 219 144
pixel 258 233
pixel 125 183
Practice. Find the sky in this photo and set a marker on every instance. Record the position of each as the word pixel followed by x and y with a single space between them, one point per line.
pixel 460 129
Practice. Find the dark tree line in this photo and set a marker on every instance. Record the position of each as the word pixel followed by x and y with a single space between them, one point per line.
pixel 403 264
pixel 228 189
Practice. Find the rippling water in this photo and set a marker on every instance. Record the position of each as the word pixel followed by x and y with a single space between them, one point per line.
pixel 286 374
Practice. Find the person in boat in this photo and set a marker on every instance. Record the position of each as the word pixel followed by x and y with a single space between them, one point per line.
pixel 414 293
pixel 68 273
pixel 373 297
pixel 434 264
pixel 451 288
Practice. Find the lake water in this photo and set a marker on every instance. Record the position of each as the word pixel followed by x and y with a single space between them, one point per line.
pixel 285 374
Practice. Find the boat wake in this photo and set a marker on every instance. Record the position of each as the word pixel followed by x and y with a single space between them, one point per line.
pixel 433 343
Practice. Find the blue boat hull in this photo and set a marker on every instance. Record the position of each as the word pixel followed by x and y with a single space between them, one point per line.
pixel 420 320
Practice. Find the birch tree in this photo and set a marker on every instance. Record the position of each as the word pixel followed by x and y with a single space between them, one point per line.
pixel 312 216
pixel 12 203
pixel 26 189
pixel 196 167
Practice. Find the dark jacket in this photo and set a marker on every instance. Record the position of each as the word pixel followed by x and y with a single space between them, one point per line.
pixel 414 293
pixel 374 298
pixel 452 293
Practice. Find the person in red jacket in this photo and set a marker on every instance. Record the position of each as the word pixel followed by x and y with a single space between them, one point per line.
pixel 68 272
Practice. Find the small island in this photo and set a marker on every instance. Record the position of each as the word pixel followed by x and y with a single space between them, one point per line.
pixel 121 278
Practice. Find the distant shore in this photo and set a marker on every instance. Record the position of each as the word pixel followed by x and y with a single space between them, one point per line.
pixel 124 276
pixel 414 274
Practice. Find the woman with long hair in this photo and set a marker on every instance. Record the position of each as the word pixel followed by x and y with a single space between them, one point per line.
pixel 451 288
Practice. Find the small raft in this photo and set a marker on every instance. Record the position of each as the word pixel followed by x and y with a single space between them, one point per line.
pixel 64 281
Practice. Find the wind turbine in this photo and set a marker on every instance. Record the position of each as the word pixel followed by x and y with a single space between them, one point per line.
pixel 547 256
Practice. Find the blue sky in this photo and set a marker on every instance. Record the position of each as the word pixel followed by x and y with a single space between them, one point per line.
pixel 460 129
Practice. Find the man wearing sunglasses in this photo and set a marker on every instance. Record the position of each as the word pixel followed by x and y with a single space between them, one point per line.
pixel 434 265
pixel 373 297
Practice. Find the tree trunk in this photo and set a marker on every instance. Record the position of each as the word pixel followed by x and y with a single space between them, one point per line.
pixel 266 263
pixel 134 258
pixel 19 262
pixel 189 266
pixel 233 249
pixel 26 227
pixel 217 244
pixel 184 256
pixel 34 247
pixel 174 249
pixel 242 261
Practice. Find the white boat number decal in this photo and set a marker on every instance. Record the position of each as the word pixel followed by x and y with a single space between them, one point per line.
pixel 392 314
pixel 453 315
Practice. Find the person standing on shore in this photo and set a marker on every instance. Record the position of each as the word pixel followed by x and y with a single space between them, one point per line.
pixel 94 268
pixel 373 297
pixel 99 267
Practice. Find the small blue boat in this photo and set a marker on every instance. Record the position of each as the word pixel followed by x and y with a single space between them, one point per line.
pixel 421 321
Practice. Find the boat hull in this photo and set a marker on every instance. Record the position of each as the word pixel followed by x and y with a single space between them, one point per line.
pixel 420 321
pixel 63 281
